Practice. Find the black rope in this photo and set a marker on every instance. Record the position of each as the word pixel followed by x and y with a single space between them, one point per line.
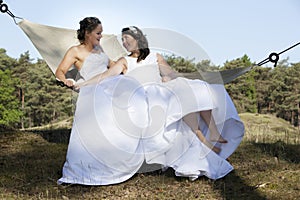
pixel 274 57
pixel 4 9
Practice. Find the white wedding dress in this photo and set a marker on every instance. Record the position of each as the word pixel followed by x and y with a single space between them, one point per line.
pixel 132 123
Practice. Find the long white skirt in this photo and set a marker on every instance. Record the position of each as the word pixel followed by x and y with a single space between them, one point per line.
pixel 120 126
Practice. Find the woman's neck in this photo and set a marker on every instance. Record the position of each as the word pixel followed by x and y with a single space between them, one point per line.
pixel 135 54
pixel 89 47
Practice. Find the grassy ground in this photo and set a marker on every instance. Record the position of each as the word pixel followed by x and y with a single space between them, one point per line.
pixel 267 166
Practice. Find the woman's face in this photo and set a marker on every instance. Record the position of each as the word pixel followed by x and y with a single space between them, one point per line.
pixel 129 42
pixel 95 36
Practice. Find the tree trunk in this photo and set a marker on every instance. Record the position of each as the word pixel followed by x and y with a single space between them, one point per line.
pixel 292 118
pixel 22 106
pixel 298 117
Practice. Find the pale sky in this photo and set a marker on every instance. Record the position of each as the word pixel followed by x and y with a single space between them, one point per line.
pixel 226 30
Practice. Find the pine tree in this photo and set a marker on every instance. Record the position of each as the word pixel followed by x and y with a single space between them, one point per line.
pixel 9 105
pixel 262 83
pixel 242 90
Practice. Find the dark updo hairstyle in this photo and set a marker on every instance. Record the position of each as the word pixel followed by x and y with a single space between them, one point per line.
pixel 87 25
pixel 138 35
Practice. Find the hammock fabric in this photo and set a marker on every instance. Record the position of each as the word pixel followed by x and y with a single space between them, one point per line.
pixel 53 42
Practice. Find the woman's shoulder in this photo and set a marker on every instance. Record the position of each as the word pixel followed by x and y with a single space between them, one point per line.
pixel 74 50
pixel 157 55
pixel 154 56
pixel 79 51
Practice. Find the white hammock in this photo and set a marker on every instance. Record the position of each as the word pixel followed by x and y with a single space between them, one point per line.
pixel 53 42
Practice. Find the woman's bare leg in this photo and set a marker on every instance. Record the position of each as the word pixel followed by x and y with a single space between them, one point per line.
pixel 192 121
pixel 206 142
pixel 214 136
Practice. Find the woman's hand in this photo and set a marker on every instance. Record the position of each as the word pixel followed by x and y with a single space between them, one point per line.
pixel 77 86
pixel 166 78
pixel 70 82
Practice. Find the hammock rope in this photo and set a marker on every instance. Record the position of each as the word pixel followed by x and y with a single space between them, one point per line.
pixel 114 50
pixel 4 9
pixel 274 57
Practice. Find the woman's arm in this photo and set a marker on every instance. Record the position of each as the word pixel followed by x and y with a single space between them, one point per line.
pixel 111 63
pixel 166 71
pixel 66 63
pixel 115 69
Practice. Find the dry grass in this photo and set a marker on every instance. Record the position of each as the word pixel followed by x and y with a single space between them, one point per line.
pixel 30 164
pixel 268 128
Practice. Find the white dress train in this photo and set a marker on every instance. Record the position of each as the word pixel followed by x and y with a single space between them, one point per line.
pixel 182 96
pixel 129 121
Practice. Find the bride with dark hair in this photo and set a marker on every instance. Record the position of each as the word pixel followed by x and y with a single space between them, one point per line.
pixel 104 146
pixel 200 102
pixel 190 125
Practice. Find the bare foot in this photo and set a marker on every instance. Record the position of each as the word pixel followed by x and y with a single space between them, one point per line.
pixel 217 138
pixel 207 143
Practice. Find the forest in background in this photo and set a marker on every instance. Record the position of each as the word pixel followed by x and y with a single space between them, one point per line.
pixel 30 97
